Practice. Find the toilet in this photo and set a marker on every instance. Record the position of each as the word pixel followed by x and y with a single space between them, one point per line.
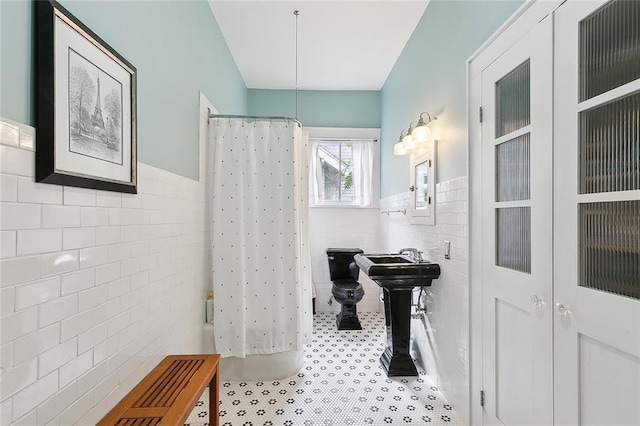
pixel 346 289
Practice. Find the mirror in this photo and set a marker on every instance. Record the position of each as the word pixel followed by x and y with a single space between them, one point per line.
pixel 423 185
pixel 422 197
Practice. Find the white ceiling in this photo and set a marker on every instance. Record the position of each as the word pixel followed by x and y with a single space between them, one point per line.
pixel 342 45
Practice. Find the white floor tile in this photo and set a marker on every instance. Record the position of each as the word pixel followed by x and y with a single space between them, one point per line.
pixel 340 383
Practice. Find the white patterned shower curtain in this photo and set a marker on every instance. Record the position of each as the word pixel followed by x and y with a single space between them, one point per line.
pixel 260 248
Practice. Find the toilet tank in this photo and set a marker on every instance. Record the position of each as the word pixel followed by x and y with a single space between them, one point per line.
pixel 339 261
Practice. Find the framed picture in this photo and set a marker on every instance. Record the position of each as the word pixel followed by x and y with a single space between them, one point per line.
pixel 85 105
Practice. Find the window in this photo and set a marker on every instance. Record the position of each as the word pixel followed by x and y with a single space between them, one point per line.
pixel 336 170
pixel 341 172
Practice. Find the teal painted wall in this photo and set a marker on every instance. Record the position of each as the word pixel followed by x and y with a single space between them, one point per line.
pixel 16 72
pixel 178 50
pixel 319 108
pixel 430 75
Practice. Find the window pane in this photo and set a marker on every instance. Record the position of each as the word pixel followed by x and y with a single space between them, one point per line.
pixel 512 101
pixel 329 153
pixel 346 174
pixel 513 228
pixel 609 48
pixel 610 247
pixel 610 146
pixel 512 169
pixel 336 160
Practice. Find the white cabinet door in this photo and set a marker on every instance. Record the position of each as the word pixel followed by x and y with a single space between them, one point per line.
pixel 597 213
pixel 517 232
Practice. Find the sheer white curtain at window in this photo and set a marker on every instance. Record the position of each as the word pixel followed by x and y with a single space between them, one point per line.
pixel 362 172
pixel 261 259
pixel 315 167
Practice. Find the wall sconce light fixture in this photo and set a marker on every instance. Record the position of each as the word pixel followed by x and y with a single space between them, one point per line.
pixel 417 134
pixel 422 132
pixel 398 147
pixel 408 142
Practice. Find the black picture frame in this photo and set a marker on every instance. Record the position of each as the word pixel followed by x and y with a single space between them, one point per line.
pixel 92 145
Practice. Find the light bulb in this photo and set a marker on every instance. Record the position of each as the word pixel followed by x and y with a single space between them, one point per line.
pixel 421 134
pixel 398 149
pixel 408 142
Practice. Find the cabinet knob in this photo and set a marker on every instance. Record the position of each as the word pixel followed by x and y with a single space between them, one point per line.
pixel 536 301
pixel 563 309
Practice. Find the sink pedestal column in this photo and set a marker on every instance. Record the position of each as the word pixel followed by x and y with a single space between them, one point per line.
pixel 395 359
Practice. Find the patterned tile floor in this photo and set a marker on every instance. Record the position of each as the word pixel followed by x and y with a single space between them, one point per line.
pixel 340 383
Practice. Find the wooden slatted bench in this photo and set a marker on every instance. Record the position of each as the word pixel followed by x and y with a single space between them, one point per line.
pixel 168 394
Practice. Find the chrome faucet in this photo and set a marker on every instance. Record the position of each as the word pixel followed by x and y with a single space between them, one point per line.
pixel 416 254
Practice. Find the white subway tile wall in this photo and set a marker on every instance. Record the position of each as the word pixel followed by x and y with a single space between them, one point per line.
pixel 96 287
pixel 40 193
pixel 10 133
pixel 16 161
pixel 8 188
pixel 36 292
pixel 442 338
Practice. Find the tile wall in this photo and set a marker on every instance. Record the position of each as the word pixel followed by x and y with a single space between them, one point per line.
pixel 342 228
pixel 441 337
pixel 95 287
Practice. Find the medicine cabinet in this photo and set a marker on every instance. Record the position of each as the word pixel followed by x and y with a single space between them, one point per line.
pixel 422 210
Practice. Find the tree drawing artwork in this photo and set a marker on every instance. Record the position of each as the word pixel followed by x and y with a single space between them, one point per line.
pixel 95 111
pixel 113 108
pixel 81 90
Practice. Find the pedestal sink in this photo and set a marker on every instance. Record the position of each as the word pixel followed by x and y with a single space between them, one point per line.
pixel 397 275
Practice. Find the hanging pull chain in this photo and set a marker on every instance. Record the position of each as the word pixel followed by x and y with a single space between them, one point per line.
pixel 296 13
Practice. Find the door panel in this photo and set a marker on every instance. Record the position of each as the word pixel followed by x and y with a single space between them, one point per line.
pixel 513 350
pixel 597 213
pixel 608 397
pixel 517 244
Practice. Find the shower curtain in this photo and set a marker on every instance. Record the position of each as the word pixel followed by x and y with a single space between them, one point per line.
pixel 261 258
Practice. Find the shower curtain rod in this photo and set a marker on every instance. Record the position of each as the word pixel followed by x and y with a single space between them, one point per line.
pixel 256 117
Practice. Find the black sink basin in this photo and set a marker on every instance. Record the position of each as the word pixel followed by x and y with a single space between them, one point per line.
pixel 386 258
pixel 397 270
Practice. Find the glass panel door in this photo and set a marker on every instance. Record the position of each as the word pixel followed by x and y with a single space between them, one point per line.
pixel 512 159
pixel 609 54
pixel 609 150
pixel 513 100
pixel 597 212
pixel 610 146
pixel 610 247
pixel 516 232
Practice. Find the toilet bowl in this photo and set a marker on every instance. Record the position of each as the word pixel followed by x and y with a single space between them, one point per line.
pixel 346 289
